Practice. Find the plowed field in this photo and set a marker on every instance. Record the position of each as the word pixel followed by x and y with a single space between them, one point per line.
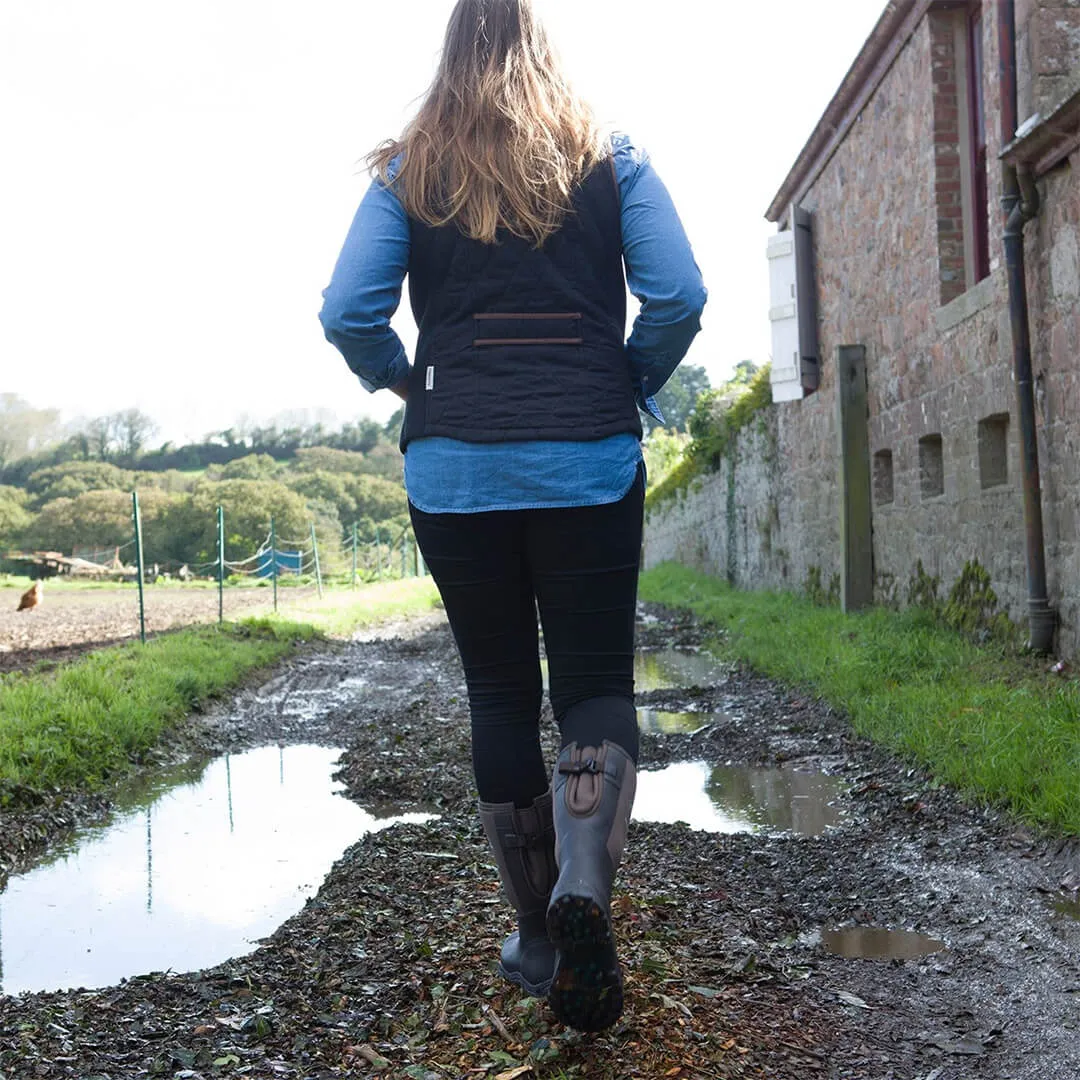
pixel 71 620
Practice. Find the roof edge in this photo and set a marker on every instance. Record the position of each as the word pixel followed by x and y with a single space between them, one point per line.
pixel 890 34
pixel 1044 142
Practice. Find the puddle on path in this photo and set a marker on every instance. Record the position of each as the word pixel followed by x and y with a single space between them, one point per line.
pixel 190 872
pixel 876 943
pixel 1071 908
pixel 668 669
pixel 731 799
pixel 671 723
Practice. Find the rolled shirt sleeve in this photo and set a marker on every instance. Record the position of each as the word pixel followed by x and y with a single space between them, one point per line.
pixel 365 291
pixel 660 272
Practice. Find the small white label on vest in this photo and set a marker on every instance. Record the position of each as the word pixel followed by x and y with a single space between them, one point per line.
pixel 429 382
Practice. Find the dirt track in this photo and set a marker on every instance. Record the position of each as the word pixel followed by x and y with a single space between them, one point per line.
pixel 389 970
pixel 72 621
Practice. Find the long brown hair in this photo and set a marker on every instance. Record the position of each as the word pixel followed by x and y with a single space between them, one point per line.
pixel 500 139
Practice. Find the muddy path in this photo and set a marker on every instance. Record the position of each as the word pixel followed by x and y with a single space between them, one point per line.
pixel 727 937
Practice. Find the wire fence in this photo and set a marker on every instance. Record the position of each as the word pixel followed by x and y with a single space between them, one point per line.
pixel 283 563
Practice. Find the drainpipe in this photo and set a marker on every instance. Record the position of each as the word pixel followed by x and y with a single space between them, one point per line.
pixel 1019 204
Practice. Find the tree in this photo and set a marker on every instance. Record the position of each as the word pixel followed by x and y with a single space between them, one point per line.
pixel 744 373
pixel 678 397
pixel 662 449
pixel 188 529
pixel 75 477
pixel 14 517
pixel 132 429
pixel 248 467
pixel 392 427
pixel 96 519
pixel 353 496
pixel 23 429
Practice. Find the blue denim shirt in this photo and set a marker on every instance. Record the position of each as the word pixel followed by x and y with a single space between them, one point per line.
pixel 450 476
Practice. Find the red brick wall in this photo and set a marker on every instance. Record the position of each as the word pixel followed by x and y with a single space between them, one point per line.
pixel 947 102
pixel 932 370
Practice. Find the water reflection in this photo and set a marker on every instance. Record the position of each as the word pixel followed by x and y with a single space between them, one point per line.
pixel 878 943
pixel 668 669
pixel 1068 907
pixel 730 799
pixel 184 877
pixel 671 723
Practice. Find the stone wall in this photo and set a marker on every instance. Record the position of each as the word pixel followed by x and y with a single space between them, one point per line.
pixel 1048 51
pixel 769 515
pixel 942 411
pixel 1053 243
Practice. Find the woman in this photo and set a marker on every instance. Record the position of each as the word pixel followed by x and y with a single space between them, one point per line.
pixel 512 218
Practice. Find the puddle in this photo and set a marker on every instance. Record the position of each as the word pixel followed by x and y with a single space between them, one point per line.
pixel 671 723
pixel 1071 908
pixel 668 669
pixel 190 872
pixel 876 943
pixel 733 799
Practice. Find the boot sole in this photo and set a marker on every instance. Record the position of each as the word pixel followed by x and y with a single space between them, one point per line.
pixel 536 990
pixel 587 988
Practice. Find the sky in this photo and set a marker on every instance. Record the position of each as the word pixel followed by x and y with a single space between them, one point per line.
pixel 178 177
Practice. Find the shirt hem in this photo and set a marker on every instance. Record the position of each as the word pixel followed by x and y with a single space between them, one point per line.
pixel 540 505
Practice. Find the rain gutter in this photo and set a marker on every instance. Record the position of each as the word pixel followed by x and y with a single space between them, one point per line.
pixel 1019 205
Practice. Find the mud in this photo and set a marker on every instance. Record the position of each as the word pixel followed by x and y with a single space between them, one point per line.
pixel 72 621
pixel 389 970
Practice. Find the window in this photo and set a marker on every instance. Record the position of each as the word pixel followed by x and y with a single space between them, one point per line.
pixel 978 255
pixel 960 163
pixel 883 477
pixel 994 451
pixel 931 467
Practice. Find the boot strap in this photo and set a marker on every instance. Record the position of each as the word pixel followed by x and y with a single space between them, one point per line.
pixel 577 768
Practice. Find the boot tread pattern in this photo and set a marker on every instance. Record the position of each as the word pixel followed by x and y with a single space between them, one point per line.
pixel 587 990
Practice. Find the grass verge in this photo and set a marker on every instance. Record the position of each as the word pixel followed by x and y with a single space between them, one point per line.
pixel 989 722
pixel 343 610
pixel 84 724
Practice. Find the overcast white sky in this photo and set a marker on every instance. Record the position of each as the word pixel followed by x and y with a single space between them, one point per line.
pixel 177 178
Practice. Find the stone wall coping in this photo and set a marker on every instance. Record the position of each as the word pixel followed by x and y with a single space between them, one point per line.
pixel 976 299
pixel 1047 140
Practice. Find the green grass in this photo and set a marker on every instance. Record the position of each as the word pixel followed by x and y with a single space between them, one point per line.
pixel 84 724
pixel 983 719
pixel 88 722
pixel 343 610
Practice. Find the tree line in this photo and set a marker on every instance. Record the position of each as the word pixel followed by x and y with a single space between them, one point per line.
pixel 63 489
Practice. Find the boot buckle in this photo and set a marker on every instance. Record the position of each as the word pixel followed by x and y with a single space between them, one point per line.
pixel 577 768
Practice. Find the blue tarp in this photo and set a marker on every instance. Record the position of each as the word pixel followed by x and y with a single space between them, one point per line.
pixel 288 562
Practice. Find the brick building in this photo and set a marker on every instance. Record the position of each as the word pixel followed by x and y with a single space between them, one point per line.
pixel 891 241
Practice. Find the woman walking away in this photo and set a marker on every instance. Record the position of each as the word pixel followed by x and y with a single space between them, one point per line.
pixel 513 219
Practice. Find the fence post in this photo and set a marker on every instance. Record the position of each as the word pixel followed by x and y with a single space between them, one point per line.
pixel 856 513
pixel 139 563
pixel 273 559
pixel 378 553
pixel 354 554
pixel 220 565
pixel 315 549
pixel 404 557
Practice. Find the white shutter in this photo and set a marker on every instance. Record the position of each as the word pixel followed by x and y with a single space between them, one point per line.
pixel 786 376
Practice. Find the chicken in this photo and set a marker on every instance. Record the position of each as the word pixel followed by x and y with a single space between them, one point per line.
pixel 31 598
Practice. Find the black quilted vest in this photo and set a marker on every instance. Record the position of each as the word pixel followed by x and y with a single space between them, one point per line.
pixel 518 343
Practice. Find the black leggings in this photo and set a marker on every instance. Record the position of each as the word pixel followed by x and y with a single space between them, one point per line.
pixel 579 566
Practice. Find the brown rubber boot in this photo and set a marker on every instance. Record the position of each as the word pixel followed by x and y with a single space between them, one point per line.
pixel 594 793
pixel 523 841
